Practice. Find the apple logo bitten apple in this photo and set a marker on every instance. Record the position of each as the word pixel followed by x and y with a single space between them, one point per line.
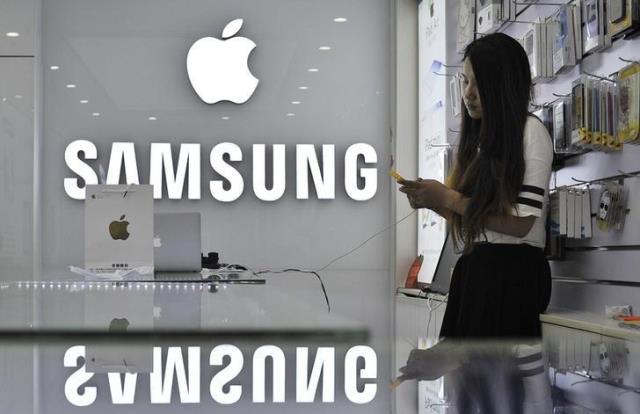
pixel 219 70
pixel 118 229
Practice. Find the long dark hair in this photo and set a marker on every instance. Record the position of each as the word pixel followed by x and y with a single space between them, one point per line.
pixel 489 165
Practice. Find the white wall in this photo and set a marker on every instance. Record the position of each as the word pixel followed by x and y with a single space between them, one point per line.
pixel 404 117
pixel 17 68
pixel 16 139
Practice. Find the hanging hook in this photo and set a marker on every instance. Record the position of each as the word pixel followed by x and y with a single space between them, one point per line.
pixel 598 77
pixel 560 95
pixel 554 101
pixel 517 21
pixel 535 3
pixel 629 61
pixel 442 74
pixel 581 181
pixel 627 175
pixel 582 381
pixel 441 145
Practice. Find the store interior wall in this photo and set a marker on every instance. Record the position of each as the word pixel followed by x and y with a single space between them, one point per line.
pixel 16 139
pixel 128 61
pixel 404 107
pixel 17 68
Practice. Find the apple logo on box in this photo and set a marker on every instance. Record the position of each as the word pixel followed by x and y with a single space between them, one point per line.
pixel 219 70
pixel 118 229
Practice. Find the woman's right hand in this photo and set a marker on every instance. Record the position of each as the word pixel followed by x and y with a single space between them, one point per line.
pixel 431 194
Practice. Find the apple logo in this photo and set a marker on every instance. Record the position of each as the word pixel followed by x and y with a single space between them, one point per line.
pixel 219 70
pixel 118 229
pixel 119 325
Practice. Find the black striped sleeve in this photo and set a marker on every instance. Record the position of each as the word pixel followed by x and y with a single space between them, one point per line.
pixel 538 156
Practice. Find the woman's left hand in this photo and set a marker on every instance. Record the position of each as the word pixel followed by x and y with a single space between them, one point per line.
pixel 425 193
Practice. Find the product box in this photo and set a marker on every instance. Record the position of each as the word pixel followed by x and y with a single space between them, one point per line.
pixel 564 54
pixel 593 28
pixel 488 15
pixel 623 18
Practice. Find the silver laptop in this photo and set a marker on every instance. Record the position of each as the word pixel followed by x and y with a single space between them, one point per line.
pixel 177 242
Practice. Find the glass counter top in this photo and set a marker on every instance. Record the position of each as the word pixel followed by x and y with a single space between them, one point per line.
pixel 170 306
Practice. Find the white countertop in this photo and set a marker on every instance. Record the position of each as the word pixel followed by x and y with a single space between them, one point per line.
pixel 590 322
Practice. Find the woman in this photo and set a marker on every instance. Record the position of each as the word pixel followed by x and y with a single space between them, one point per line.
pixel 496 199
pixel 496 203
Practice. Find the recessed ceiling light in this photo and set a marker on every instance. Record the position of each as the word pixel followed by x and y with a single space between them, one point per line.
pixel 95 114
pixel 296 102
pixel 71 85
pixel 225 118
pixel 84 101
pixel 152 118
pixel 313 70
pixel 54 67
pixel 324 48
pixel 291 114
pixel 4 99
pixel 340 19
pixel 303 88
pixel 12 34
pixel 18 96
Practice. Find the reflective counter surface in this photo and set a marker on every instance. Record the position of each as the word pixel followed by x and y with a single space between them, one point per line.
pixel 165 306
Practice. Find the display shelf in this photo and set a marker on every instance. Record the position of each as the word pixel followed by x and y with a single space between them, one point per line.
pixel 590 322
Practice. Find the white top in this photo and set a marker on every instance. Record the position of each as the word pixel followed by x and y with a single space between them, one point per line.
pixel 533 199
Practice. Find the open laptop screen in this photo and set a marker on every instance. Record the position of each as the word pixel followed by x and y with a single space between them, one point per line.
pixel 443 268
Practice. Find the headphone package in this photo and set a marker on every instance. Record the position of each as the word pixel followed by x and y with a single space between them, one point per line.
pixel 594 36
pixel 629 104
pixel 569 218
pixel 466 24
pixel 456 95
pixel 565 27
pixel 596 114
pixel 623 18
pixel 578 127
pixel 488 15
pixel 570 213
pixel 611 208
pixel 538 43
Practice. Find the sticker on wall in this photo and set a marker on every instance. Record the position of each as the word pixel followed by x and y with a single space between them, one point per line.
pixel 219 68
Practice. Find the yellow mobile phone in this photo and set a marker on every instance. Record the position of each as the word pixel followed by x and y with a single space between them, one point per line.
pixel 396 175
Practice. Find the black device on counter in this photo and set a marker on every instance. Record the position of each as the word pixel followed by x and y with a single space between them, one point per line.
pixel 210 261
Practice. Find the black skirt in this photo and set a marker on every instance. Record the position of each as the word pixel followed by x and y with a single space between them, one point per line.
pixel 498 291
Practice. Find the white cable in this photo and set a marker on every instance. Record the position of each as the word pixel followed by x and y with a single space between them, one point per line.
pixel 365 242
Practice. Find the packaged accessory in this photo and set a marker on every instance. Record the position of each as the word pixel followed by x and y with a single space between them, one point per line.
pixel 579 128
pixel 489 13
pixel 564 53
pixel 466 23
pixel 623 18
pixel 616 311
pixel 611 208
pixel 593 29
pixel 586 231
pixel 629 103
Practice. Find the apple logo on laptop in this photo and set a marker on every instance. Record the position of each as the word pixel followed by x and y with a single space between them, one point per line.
pixel 118 229
pixel 219 69
pixel 119 325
